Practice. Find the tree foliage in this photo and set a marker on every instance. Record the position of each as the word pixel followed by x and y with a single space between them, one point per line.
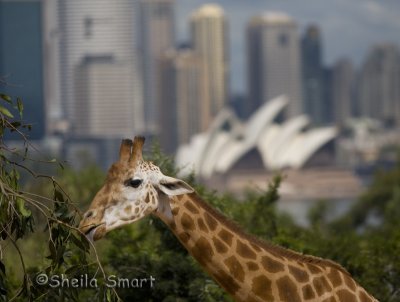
pixel 26 215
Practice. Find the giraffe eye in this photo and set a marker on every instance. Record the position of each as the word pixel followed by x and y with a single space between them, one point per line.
pixel 135 183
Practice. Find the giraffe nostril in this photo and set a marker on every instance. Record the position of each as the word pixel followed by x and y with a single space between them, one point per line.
pixel 89 214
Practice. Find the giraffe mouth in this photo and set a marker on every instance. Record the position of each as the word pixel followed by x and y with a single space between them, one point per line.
pixel 90 232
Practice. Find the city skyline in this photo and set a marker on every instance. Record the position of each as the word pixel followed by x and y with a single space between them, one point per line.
pixel 87 39
pixel 348 28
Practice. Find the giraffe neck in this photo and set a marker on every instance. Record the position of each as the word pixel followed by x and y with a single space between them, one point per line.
pixel 247 268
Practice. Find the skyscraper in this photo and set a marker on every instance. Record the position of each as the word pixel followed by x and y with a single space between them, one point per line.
pixel 273 59
pixel 100 28
pixel 378 87
pixel 343 91
pixel 157 34
pixel 103 109
pixel 186 104
pixel 209 42
pixel 312 75
pixel 21 58
pixel 55 122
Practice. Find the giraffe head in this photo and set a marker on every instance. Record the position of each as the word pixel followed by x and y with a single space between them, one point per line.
pixel 133 189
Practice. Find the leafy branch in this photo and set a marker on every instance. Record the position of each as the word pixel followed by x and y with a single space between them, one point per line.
pixel 21 214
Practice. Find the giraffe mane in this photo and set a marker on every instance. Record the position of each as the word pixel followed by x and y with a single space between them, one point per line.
pixel 275 249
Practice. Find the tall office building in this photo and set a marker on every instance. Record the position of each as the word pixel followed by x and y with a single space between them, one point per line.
pixel 312 75
pixel 327 75
pixel 378 87
pixel 102 29
pixel 343 97
pixel 186 103
pixel 157 34
pixel 103 108
pixel 273 59
pixel 209 41
pixel 21 58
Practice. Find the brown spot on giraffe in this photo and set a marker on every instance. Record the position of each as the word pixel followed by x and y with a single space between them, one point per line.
pixel 287 290
pixel 187 222
pixel 184 237
pixel 252 266
pixel 244 250
pixel 321 285
pixel 299 274
pixel 235 268
pixel 220 247
pixel 180 198
pixel 202 225
pixel 175 211
pixel 226 236
pixel 262 287
pixel 308 292
pixel 272 265
pixel 190 206
pixel 203 251
pixel 314 269
pixel 211 222
pixel 334 277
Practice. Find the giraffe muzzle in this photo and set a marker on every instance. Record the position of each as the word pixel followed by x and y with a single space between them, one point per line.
pixel 94 232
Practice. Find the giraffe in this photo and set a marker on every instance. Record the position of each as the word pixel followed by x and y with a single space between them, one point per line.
pixel 246 267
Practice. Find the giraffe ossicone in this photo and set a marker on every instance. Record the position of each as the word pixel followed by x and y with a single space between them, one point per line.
pixel 246 267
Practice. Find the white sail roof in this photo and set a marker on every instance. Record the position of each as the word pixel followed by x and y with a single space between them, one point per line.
pixel 280 145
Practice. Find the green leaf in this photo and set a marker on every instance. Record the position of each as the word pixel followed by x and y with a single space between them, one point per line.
pixel 6 112
pixel 2 268
pixel 16 124
pixel 21 208
pixel 53 252
pixel 79 243
pixel 6 98
pixel 20 106
pixel 73 269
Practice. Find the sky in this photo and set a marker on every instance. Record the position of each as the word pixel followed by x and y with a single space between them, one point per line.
pixel 348 27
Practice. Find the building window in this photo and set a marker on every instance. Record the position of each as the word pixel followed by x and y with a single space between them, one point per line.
pixel 283 40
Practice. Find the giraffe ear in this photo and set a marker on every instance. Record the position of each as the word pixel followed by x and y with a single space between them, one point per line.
pixel 173 186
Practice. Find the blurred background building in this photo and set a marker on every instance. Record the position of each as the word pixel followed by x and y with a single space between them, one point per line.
pixel 157 35
pixel 343 93
pixel 209 36
pixel 312 75
pixel 274 65
pixel 186 105
pixel 99 29
pixel 379 89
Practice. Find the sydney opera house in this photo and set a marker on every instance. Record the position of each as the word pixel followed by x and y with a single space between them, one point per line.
pixel 288 144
